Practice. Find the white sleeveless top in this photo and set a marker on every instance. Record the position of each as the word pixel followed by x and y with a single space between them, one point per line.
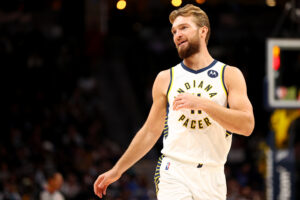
pixel 192 136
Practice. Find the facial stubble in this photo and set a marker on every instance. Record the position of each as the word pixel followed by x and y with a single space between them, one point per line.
pixel 192 48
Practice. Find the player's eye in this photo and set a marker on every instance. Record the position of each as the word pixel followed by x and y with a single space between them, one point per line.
pixel 183 27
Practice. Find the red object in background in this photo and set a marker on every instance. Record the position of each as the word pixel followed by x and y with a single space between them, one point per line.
pixel 276 57
pixel 276 62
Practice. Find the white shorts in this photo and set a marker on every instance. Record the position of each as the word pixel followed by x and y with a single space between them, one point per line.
pixel 180 181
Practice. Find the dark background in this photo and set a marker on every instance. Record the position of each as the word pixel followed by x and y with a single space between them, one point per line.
pixel 79 82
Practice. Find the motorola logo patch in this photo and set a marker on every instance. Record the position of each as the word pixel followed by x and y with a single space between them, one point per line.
pixel 212 73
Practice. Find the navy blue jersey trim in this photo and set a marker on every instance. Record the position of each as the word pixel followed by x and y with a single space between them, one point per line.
pixel 228 133
pixel 200 70
pixel 224 79
pixel 157 173
pixel 166 127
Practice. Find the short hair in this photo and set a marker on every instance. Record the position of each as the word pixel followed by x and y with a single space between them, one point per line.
pixel 201 18
pixel 50 174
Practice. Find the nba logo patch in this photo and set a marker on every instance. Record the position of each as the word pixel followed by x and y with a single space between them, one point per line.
pixel 212 73
pixel 168 165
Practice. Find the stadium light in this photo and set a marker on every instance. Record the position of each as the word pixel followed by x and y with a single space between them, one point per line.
pixel 121 4
pixel 200 1
pixel 271 3
pixel 176 3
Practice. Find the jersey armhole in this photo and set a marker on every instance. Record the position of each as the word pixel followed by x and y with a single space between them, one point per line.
pixel 171 82
pixel 223 79
pixel 228 133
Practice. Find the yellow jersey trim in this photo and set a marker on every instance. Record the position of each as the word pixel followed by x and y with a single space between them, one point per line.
pixel 171 82
pixel 223 79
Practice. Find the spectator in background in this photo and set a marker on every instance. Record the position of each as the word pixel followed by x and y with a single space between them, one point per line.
pixel 51 190
pixel 71 187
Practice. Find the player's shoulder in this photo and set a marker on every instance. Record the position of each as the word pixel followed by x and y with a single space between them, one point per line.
pixel 163 75
pixel 232 69
pixel 232 72
pixel 167 73
pixel 233 75
pixel 162 80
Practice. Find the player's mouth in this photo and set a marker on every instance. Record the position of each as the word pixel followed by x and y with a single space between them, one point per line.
pixel 181 43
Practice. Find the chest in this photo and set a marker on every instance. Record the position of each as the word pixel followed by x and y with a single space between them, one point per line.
pixel 208 84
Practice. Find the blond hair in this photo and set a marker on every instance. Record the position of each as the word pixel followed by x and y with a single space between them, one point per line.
pixel 200 17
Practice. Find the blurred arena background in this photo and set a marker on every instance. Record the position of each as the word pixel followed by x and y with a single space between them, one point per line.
pixel 79 86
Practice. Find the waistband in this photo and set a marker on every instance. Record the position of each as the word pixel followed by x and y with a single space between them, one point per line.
pixel 194 164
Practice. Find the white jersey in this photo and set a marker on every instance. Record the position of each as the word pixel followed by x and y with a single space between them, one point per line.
pixel 45 195
pixel 192 136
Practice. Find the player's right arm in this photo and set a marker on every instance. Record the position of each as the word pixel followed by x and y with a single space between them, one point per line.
pixel 145 138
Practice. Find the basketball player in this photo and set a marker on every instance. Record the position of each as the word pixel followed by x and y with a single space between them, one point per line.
pixel 190 107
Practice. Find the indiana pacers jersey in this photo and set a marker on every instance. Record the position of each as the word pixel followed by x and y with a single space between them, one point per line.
pixel 192 136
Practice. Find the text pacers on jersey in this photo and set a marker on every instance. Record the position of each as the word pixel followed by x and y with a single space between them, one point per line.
pixel 189 122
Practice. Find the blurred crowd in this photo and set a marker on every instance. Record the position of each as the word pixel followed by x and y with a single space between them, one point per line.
pixel 56 122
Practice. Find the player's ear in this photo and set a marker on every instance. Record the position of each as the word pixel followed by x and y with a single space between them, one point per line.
pixel 203 31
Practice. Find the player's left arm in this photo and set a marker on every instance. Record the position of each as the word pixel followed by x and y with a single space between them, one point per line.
pixel 240 108
pixel 238 118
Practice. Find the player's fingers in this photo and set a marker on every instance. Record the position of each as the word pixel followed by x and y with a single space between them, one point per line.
pixel 97 190
pixel 175 100
pixel 178 97
pixel 178 101
pixel 175 105
pixel 178 105
pixel 98 181
pixel 104 189
pixel 103 186
pixel 182 96
pixel 95 187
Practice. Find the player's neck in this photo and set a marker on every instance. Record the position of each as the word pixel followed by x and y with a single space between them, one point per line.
pixel 199 60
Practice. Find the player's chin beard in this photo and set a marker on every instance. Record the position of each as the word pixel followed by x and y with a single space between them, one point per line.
pixel 192 48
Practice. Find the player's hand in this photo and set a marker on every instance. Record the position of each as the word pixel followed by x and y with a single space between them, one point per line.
pixel 186 101
pixel 104 180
